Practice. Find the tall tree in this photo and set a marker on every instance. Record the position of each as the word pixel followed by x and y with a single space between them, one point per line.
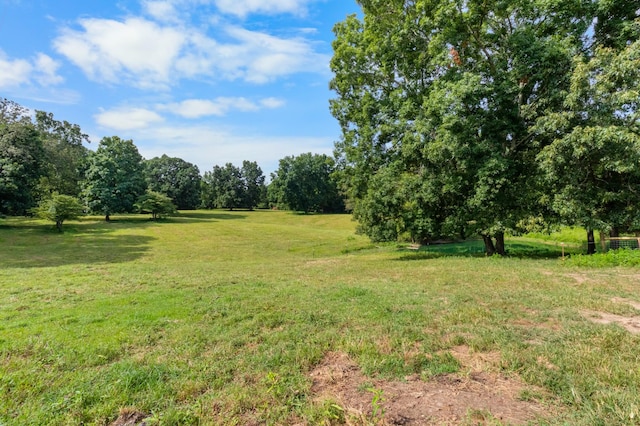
pixel 305 183
pixel 593 162
pixel 227 187
pixel 437 98
pixel 115 177
pixel 66 156
pixel 253 180
pixel 176 178
pixel 21 166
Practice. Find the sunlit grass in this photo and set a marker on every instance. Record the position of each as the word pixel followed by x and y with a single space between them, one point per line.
pixel 216 317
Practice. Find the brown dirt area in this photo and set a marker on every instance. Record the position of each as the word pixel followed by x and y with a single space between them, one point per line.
pixel 631 324
pixel 479 395
pixel 130 417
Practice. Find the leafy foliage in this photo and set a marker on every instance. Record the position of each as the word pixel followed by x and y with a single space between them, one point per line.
pixel 65 154
pixel 305 183
pixel 177 179
pixel 232 187
pixel 21 166
pixel 438 101
pixel 159 205
pixel 593 163
pixel 59 208
pixel 115 177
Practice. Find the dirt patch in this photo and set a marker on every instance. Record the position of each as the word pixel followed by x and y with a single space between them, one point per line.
pixel 130 417
pixel 476 397
pixel 631 324
pixel 632 303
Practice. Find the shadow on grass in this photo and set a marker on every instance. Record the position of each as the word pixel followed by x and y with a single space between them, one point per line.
pixel 187 216
pixel 33 245
pixel 476 249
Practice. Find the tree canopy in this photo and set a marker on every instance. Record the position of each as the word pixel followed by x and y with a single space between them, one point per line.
pixel 115 177
pixel 176 178
pixel 305 183
pixel 438 102
pixel 59 208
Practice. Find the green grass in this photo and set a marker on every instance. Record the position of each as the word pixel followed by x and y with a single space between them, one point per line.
pixel 217 317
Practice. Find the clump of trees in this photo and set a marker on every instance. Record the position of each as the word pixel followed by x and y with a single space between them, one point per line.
pixel 231 187
pixel 176 178
pixel 472 120
pixel 306 183
pixel 45 169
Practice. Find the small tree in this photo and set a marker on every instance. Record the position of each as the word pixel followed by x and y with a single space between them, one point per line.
pixel 157 204
pixel 59 208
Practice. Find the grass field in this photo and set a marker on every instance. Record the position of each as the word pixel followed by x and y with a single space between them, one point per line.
pixel 218 317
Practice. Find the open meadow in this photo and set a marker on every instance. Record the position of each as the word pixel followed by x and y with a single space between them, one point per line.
pixel 270 317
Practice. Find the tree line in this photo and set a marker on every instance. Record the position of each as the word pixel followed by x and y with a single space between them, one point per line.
pixel 45 168
pixel 476 118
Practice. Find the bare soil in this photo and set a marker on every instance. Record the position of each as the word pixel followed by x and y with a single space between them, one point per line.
pixel 480 395
pixel 631 324
pixel 130 418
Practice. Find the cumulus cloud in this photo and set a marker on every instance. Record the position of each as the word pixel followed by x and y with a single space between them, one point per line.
pixel 15 73
pixel 207 146
pixel 161 10
pixel 136 49
pixel 151 55
pixel 197 108
pixel 126 118
pixel 243 8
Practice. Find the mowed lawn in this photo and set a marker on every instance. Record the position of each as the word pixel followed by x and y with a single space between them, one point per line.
pixel 218 317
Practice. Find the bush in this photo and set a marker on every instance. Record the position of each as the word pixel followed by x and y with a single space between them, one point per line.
pixel 622 257
pixel 58 209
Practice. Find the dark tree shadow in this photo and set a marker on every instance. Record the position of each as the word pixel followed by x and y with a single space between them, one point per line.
pixel 198 216
pixel 38 246
pixel 476 249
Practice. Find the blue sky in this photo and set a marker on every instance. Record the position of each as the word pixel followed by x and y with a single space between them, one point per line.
pixel 209 81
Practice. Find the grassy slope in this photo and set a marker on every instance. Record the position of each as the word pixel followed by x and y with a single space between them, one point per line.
pixel 216 317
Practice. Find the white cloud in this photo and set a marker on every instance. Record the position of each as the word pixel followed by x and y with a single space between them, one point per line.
pixel 15 73
pixel 162 10
pixel 197 108
pixel 136 49
pixel 207 146
pixel 267 57
pixel 243 8
pixel 46 70
pixel 127 118
pixel 272 103
pixel 150 55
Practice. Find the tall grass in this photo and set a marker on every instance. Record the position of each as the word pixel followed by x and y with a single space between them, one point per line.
pixel 217 317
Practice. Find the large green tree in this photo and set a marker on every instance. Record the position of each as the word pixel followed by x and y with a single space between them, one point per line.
pixel 21 166
pixel 593 163
pixel 65 154
pixel 114 177
pixel 305 183
pixel 176 178
pixel 435 100
pixel 253 181
pixel 225 187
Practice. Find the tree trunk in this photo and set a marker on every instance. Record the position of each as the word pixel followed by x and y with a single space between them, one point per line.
pixel 615 244
pixel 591 242
pixel 500 249
pixel 603 242
pixel 489 248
